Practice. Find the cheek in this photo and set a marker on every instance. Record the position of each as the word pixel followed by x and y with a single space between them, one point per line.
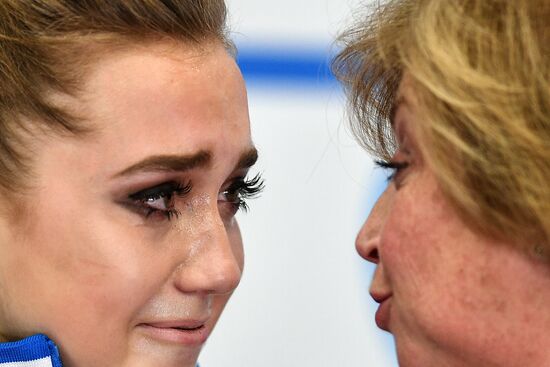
pixel 423 253
pixel 87 266
pixel 446 280
pixel 81 282
pixel 421 228
pixel 407 250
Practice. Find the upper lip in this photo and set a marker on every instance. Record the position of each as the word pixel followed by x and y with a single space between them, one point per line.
pixel 380 297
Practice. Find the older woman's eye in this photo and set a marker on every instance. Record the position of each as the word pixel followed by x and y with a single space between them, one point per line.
pixel 393 167
pixel 159 200
pixel 239 191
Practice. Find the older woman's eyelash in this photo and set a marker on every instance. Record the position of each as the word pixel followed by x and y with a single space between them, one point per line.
pixel 394 167
pixel 160 199
pixel 242 190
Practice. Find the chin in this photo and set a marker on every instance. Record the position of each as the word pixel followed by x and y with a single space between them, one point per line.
pixel 162 357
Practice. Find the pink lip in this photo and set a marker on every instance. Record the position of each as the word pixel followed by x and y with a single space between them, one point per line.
pixel 185 332
pixel 383 314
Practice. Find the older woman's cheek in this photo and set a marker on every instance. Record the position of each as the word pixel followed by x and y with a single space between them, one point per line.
pixel 411 260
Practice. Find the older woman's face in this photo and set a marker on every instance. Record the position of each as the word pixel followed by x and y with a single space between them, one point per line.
pixel 449 296
pixel 128 248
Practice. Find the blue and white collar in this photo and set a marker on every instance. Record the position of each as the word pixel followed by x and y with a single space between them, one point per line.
pixel 35 351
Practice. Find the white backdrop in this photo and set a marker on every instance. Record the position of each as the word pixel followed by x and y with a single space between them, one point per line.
pixel 303 300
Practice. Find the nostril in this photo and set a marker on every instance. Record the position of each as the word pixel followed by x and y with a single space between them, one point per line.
pixel 368 249
pixel 372 256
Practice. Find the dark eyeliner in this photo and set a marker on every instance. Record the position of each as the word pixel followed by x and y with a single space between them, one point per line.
pixel 171 187
pixel 166 191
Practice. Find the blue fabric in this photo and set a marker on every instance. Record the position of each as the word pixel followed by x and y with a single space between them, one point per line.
pixel 34 347
pixel 29 349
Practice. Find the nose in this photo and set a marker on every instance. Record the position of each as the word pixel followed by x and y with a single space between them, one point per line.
pixel 368 239
pixel 213 264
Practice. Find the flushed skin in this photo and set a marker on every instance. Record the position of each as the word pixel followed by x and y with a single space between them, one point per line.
pixel 450 295
pixel 84 265
pixel 454 97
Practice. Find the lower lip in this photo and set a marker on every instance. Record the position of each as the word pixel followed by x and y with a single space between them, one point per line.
pixel 382 316
pixel 193 337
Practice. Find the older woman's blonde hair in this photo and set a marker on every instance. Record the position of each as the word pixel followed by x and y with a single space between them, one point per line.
pixel 481 72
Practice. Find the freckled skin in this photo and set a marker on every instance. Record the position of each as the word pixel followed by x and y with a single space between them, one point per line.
pixel 458 298
pixel 86 270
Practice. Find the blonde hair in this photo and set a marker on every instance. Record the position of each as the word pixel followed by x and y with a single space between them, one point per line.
pixel 47 45
pixel 481 72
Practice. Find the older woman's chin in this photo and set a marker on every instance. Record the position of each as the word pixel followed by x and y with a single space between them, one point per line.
pixel 413 351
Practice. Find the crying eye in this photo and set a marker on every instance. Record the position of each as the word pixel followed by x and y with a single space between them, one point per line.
pixel 159 199
pixel 161 203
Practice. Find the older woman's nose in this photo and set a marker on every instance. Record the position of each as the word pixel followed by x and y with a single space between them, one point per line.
pixel 368 239
pixel 366 244
pixel 213 264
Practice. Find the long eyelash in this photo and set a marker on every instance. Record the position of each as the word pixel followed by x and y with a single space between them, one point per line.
pixel 253 187
pixel 169 214
pixel 171 187
pixel 182 190
pixel 248 189
pixel 394 166
pixel 179 191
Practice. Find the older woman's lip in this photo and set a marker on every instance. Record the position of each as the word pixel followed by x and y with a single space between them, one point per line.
pixel 383 314
pixel 379 297
pixel 187 332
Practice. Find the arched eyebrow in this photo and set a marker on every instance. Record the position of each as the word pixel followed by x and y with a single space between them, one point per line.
pixel 169 163
pixel 248 159
pixel 182 163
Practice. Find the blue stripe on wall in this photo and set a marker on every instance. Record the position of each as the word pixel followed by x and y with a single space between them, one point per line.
pixel 283 65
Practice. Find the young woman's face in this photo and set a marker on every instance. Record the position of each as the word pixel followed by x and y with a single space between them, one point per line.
pixel 128 249
pixel 450 296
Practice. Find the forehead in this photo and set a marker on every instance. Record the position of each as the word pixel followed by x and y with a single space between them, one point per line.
pixel 166 100
pixel 172 75
pixel 406 109
pixel 149 65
